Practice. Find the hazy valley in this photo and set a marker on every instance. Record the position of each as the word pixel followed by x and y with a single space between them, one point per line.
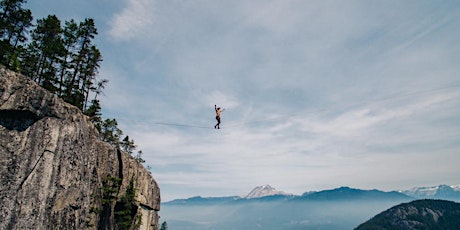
pixel 340 208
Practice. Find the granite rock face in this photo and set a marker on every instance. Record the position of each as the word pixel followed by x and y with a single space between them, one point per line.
pixel 53 167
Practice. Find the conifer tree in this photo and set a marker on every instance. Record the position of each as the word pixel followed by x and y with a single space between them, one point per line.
pixel 14 24
pixel 94 114
pixel 164 226
pixel 48 48
pixel 62 59
pixel 138 157
pixel 125 209
pixel 128 145
pixel 90 69
pixel 94 110
pixel 85 63
pixel 110 132
pixel 69 38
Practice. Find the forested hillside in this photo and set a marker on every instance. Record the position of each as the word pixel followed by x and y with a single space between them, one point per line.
pixel 419 214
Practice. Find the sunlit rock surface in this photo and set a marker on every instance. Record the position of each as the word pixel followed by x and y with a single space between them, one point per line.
pixel 53 166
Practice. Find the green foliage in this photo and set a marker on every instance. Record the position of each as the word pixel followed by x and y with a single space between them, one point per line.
pixel 47 48
pixel 110 132
pixel 126 210
pixel 128 145
pixel 60 58
pixel 63 60
pixel 164 226
pixel 14 24
pixel 139 157
pixel 110 187
pixel 94 113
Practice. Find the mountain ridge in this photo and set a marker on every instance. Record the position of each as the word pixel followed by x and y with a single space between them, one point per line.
pixel 344 193
pixel 436 192
pixel 267 193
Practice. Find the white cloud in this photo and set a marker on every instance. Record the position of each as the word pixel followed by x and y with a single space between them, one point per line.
pixel 222 99
pixel 134 20
pixel 301 83
pixel 321 151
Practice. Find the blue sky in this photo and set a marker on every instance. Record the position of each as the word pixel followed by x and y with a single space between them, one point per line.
pixel 318 94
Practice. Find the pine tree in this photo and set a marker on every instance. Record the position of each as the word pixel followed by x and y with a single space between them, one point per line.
pixel 110 132
pixel 14 24
pixel 128 145
pixel 85 63
pixel 61 59
pixel 47 49
pixel 125 210
pixel 69 38
pixel 90 69
pixel 94 110
pixel 164 226
pixel 139 157
pixel 94 114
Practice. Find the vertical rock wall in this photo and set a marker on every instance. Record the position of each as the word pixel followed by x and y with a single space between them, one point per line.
pixel 53 167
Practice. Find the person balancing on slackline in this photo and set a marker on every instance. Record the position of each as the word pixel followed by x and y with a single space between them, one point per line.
pixel 218 111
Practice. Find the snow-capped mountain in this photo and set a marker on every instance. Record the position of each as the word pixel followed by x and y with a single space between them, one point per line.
pixel 440 191
pixel 262 191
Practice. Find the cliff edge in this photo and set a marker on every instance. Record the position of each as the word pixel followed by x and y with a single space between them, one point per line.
pixel 54 171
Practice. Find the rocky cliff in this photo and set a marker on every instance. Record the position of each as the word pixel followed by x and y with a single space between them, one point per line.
pixel 54 171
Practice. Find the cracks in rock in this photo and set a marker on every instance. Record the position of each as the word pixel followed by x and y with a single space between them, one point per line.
pixel 14 90
pixel 120 164
pixel 33 168
pixel 9 96
pixel 146 207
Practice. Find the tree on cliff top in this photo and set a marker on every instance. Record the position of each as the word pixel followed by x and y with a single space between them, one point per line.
pixel 62 59
pixel 109 132
pixel 14 24
pixel 164 226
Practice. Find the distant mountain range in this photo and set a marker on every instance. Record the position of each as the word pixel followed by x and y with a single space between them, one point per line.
pixel 435 192
pixel 268 208
pixel 268 193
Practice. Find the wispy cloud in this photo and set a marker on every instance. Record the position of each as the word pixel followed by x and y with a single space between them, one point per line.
pixel 134 20
pixel 318 93
pixel 320 148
